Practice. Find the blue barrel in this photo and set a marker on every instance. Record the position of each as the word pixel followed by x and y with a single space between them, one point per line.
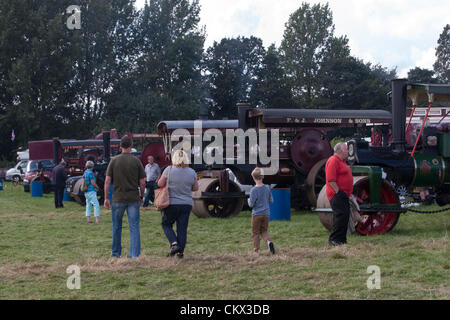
pixel 280 209
pixel 37 188
pixel 66 197
pixel 1 184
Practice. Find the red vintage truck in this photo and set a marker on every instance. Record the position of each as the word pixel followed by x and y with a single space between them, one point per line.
pixel 45 154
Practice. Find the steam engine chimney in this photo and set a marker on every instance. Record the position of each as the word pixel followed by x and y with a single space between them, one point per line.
pixel 56 150
pixel 243 107
pixel 106 145
pixel 398 115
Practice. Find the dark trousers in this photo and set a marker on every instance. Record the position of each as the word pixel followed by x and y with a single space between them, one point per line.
pixel 341 214
pixel 59 194
pixel 178 213
pixel 150 193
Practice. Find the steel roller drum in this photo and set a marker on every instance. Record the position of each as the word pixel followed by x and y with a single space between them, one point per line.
pixel 378 223
pixel 216 207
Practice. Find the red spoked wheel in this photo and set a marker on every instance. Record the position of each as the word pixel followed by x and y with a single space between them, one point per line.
pixel 380 222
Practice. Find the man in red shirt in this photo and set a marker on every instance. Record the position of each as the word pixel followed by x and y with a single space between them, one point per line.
pixel 339 181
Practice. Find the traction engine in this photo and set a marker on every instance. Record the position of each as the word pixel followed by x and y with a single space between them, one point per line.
pixel 426 163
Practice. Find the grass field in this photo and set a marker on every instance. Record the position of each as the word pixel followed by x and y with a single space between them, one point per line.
pixel 38 243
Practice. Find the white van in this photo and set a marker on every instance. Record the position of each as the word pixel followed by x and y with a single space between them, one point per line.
pixel 23 155
pixel 18 172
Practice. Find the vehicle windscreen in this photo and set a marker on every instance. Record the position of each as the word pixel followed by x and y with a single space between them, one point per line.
pixel 33 165
pixel 21 164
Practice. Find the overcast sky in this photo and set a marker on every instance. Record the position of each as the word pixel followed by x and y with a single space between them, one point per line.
pixel 393 33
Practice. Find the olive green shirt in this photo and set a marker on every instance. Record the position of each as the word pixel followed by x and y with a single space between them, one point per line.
pixel 125 171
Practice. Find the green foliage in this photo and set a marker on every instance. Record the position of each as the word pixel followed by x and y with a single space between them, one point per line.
pixel 232 65
pixel 57 79
pixel 419 75
pixel 338 139
pixel 129 69
pixel 306 41
pixel 270 88
pixel 320 70
pixel 442 64
pixel 4 163
pixel 107 54
pixel 349 83
pixel 165 82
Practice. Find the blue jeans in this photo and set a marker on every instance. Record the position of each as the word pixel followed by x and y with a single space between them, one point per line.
pixel 178 213
pixel 91 200
pixel 117 211
pixel 149 192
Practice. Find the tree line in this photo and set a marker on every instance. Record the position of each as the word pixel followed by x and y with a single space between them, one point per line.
pixel 129 69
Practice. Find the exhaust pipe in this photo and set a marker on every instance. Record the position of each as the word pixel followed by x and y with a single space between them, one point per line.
pixel 106 145
pixel 56 151
pixel 243 107
pixel 399 115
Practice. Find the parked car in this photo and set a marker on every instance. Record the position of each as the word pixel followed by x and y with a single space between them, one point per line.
pixel 38 169
pixel 18 172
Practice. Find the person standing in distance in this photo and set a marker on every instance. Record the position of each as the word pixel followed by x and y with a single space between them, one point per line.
pixel 153 172
pixel 339 186
pixel 91 193
pixel 59 177
pixel 127 176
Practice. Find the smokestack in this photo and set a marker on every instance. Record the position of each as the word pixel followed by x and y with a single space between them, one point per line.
pixel 398 114
pixel 106 145
pixel 56 151
pixel 243 107
pixel 203 114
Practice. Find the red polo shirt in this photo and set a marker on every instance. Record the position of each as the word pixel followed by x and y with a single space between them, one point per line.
pixel 337 170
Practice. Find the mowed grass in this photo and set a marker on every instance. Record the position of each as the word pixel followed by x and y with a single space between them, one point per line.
pixel 38 243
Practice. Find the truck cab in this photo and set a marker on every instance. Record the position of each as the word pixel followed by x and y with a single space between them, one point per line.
pixel 17 173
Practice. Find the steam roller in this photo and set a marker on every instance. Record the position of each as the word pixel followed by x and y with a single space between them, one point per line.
pixel 216 198
pixel 77 194
pixel 315 181
pixel 378 218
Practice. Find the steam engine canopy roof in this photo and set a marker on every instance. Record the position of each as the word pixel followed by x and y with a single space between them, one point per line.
pixel 320 116
pixel 421 92
pixel 169 126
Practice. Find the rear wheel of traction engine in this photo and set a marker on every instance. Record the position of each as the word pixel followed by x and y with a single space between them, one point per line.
pixel 381 222
pixel 216 207
pixel 315 181
pixel 78 196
